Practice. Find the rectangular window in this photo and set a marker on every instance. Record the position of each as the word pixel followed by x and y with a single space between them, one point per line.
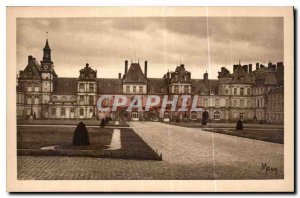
pixel 217 102
pixel 134 89
pixel 206 102
pixel 186 89
pixel 227 91
pixel 235 91
pixel 36 87
pixel 81 98
pixel 36 100
pixel 242 103
pixel 227 103
pixel 248 91
pixel 81 112
pixel 242 116
pixel 248 104
pixel 235 103
pixel 127 89
pixel 91 87
pixel 241 91
pixel 29 87
pixel 91 100
pixel 63 111
pixel 176 89
pixel 81 87
pixel 28 99
pixel 72 110
pixel 53 111
pixel 141 89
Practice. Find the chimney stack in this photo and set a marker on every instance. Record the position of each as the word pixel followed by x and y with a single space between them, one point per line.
pixel 145 70
pixel 29 58
pixel 235 67
pixel 126 66
pixel 120 75
pixel 250 68
pixel 257 66
pixel 205 76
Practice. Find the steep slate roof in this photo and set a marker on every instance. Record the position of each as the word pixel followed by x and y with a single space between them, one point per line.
pixel 157 86
pixel 109 86
pixel 135 74
pixel 266 76
pixel 200 86
pixel 47 45
pixel 180 75
pixel 65 86
pixel 32 66
pixel 276 90
pixel 241 76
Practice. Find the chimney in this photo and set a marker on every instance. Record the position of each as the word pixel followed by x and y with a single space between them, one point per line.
pixel 145 70
pixel 257 66
pixel 250 68
pixel 126 66
pixel 235 67
pixel 205 76
pixel 29 58
pixel 120 75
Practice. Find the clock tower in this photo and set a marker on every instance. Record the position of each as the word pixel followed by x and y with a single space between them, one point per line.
pixel 46 63
pixel 48 75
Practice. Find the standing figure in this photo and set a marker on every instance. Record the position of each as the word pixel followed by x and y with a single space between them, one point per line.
pixel 102 124
pixel 239 125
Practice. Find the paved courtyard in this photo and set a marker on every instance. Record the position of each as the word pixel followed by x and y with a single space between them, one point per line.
pixel 188 153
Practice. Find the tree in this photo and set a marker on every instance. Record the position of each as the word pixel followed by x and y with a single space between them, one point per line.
pixel 81 136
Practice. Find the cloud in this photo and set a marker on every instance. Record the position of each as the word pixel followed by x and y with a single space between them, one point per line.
pixel 165 42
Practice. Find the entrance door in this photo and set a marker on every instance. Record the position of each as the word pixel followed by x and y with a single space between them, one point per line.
pixel 205 117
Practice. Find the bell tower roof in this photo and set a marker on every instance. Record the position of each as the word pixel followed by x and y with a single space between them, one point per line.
pixel 47 45
pixel 47 52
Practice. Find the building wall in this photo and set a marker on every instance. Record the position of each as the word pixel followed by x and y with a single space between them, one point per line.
pixel 249 102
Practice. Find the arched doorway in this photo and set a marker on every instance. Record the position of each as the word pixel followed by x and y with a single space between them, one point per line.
pixel 135 116
pixel 217 115
pixel 166 116
pixel 205 117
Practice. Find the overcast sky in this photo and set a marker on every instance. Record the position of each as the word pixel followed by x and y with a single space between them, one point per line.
pixel 202 44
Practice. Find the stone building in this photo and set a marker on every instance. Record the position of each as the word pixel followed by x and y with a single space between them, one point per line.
pixel 247 94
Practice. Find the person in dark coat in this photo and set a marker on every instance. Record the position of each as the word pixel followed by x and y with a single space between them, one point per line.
pixel 239 125
pixel 102 124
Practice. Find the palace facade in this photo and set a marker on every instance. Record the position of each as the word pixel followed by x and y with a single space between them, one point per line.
pixel 248 93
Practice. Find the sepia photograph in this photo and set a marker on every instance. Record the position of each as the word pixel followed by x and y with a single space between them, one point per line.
pixel 151 95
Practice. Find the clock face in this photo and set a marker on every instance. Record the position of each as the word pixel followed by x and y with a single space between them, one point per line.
pixel 45 66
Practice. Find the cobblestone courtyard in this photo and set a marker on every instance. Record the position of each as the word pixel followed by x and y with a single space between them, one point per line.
pixel 188 153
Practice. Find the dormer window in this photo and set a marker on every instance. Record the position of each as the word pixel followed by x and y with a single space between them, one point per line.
pixel 81 87
pixel 186 89
pixel 91 75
